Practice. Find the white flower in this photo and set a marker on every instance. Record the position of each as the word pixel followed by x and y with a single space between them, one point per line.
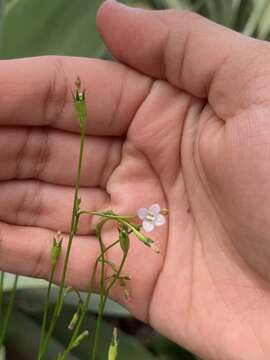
pixel 151 217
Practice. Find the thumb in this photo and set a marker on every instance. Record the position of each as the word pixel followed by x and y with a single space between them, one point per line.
pixel 179 46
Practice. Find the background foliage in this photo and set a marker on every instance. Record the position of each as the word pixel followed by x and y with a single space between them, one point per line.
pixel 38 27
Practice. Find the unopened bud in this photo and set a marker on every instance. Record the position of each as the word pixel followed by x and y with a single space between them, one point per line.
pixel 113 349
pixel 146 240
pixel 80 338
pixel 74 321
pixel 124 239
pixel 80 103
pixel 127 295
pixel 56 248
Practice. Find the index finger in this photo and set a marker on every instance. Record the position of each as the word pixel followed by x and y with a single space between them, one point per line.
pixel 37 92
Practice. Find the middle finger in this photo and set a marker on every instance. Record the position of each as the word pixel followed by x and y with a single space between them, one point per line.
pixel 51 155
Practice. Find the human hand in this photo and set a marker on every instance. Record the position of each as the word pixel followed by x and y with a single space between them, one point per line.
pixel 196 141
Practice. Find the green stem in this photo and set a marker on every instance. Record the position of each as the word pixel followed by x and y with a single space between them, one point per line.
pixel 124 220
pixel 107 215
pixel 103 301
pixel 9 310
pixel 98 325
pixel 86 303
pixel 59 301
pixel 2 278
pixel 117 274
pixel 46 309
pixel 102 287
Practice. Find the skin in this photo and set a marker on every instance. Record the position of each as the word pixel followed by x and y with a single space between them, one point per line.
pixel 182 120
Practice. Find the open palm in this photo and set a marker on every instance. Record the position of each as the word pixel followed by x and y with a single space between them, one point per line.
pixel 187 129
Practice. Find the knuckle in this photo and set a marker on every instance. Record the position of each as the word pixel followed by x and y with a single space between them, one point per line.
pixel 41 264
pixel 42 154
pixel 55 98
pixel 29 206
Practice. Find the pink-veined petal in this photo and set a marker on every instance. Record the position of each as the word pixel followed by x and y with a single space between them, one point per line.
pixel 147 226
pixel 142 213
pixel 160 220
pixel 155 209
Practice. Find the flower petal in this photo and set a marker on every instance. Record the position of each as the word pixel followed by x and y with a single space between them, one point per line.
pixel 155 209
pixel 142 213
pixel 147 226
pixel 160 220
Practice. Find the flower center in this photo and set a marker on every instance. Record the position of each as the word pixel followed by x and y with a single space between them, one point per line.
pixel 150 217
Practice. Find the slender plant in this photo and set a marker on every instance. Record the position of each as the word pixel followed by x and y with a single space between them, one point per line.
pixel 126 225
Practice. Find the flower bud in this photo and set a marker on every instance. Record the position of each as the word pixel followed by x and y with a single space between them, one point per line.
pixel 113 349
pixel 73 321
pixel 124 239
pixel 80 103
pixel 127 295
pixel 56 248
pixel 146 240
pixel 79 339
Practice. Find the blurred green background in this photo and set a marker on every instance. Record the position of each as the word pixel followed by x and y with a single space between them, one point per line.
pixel 67 27
pixel 38 27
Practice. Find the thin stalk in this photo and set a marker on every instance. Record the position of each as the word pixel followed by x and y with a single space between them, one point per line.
pixel 106 215
pixel 2 278
pixel 85 305
pixel 46 309
pixel 73 218
pixel 9 310
pixel 79 324
pixel 103 301
pixel 102 288
pixel 117 274
pixel 59 301
pixel 124 221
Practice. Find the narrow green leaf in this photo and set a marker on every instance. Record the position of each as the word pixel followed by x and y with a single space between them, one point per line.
pixel 259 7
pixel 264 24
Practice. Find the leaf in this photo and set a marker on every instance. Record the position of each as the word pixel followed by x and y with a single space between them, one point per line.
pixel 34 27
pixel 167 350
pixel 178 4
pixel 264 24
pixel 24 333
pixel 259 7
pixel 31 301
pixel 24 282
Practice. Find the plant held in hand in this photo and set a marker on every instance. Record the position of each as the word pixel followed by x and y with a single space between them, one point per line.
pixel 125 225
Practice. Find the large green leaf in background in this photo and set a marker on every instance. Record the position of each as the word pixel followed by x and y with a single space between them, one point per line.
pixel 41 27
pixel 23 339
pixel 24 332
pixel 31 293
pixel 130 348
pixel 24 282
